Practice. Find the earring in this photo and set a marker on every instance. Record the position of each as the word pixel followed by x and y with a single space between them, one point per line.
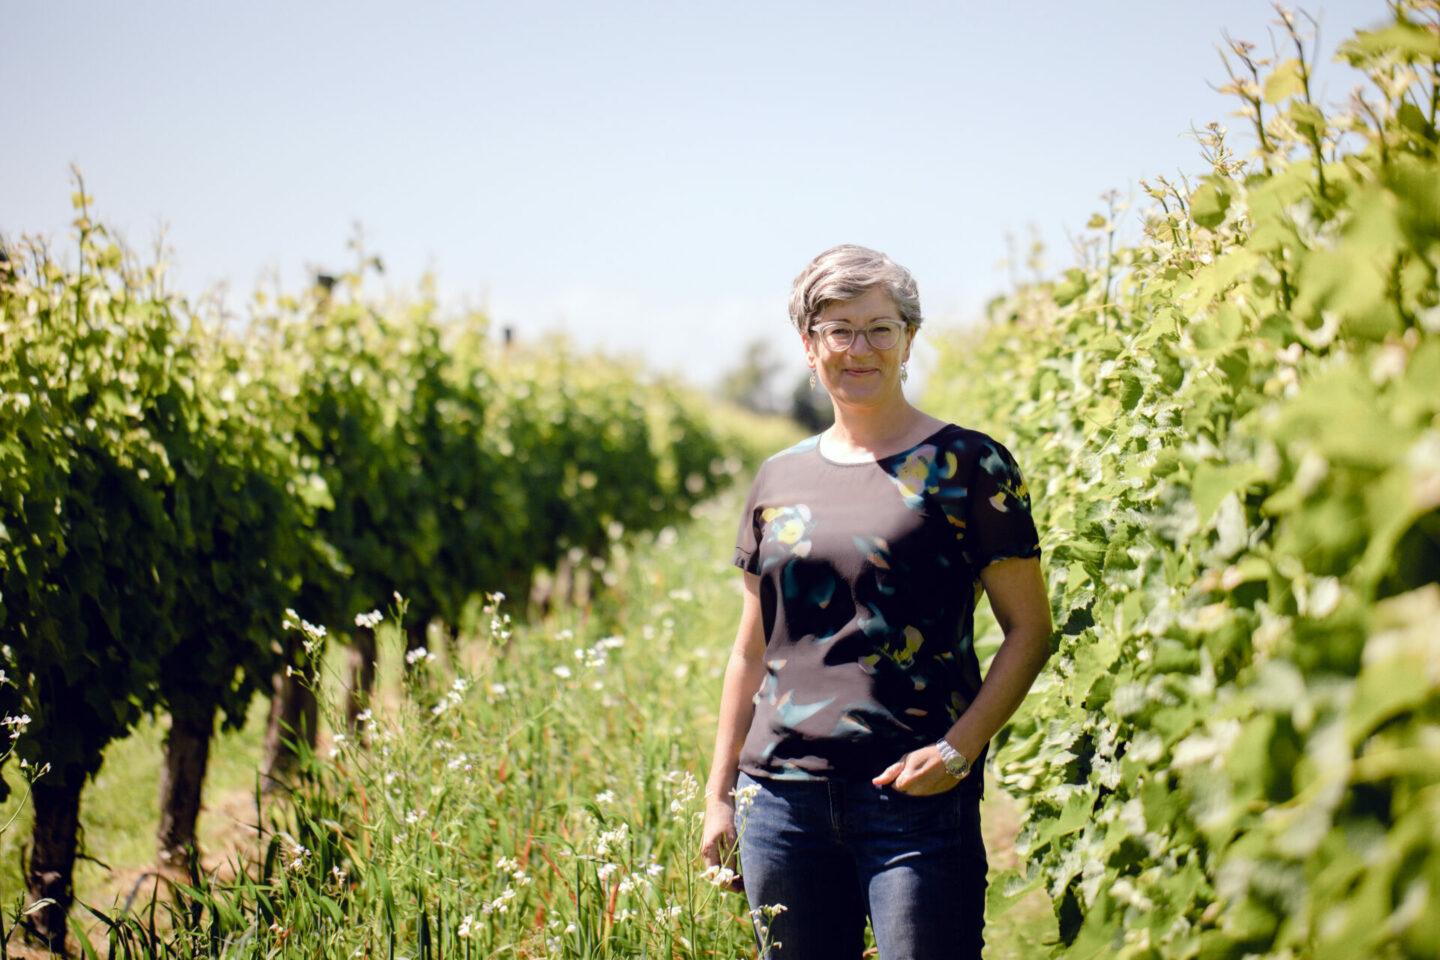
pixel 812 378
pixel 904 371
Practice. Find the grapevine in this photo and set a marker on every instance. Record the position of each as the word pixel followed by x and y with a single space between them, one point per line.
pixel 1236 751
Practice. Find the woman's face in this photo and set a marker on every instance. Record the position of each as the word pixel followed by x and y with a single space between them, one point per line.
pixel 859 373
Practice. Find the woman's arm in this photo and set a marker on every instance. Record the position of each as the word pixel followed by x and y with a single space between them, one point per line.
pixel 1021 606
pixel 743 675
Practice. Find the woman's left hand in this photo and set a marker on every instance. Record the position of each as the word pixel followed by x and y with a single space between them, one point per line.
pixel 919 773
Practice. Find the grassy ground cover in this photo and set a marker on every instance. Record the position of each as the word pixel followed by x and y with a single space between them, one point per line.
pixel 531 792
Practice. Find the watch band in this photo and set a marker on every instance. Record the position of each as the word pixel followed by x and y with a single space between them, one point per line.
pixel 956 763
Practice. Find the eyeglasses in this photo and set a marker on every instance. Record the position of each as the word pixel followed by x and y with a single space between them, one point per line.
pixel 839 336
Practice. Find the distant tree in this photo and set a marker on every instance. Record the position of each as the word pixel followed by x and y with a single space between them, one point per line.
pixel 811 407
pixel 751 383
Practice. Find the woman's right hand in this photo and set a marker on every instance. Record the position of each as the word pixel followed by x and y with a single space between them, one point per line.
pixel 743 675
pixel 718 845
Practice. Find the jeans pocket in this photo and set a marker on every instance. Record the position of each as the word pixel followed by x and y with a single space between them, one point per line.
pixel 938 811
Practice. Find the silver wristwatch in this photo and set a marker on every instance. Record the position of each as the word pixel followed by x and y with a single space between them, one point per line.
pixel 956 763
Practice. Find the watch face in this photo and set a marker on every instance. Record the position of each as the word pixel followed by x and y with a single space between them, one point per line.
pixel 957 765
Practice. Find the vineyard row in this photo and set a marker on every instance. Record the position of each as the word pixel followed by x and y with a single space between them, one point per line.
pixel 1233 429
pixel 170 488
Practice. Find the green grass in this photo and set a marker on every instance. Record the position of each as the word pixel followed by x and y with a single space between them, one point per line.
pixel 564 772
pixel 119 811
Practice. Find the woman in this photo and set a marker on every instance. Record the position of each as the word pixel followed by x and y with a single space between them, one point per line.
pixel 853 723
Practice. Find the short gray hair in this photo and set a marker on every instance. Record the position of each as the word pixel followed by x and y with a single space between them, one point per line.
pixel 845 273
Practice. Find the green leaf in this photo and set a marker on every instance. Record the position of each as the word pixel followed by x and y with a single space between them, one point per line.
pixel 1076 814
pixel 1009 888
pixel 1220 329
pixel 1416 187
pixel 1410 40
pixel 1413 120
pixel 1074 286
pixel 1308 119
pixel 1338 411
pixel 332 909
pixel 1211 483
pixel 1385 690
pixel 1285 80
pixel 1208 283
pixel 1208 204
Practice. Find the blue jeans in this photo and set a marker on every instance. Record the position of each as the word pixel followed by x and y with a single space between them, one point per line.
pixel 834 851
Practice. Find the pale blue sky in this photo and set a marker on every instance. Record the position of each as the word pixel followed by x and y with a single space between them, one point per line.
pixel 643 175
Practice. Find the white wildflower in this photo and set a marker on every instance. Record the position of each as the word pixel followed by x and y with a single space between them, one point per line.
pixel 718 875
pixel 745 797
pixel 611 838
pixel 500 904
pixel 17 724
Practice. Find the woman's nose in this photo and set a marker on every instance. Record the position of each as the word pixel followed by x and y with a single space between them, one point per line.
pixel 860 344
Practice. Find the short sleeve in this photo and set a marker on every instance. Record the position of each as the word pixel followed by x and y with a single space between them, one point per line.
pixel 747 538
pixel 1000 526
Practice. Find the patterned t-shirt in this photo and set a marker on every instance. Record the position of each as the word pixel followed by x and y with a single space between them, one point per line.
pixel 869 576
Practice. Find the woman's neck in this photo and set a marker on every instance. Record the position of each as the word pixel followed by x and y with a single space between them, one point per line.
pixel 862 433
